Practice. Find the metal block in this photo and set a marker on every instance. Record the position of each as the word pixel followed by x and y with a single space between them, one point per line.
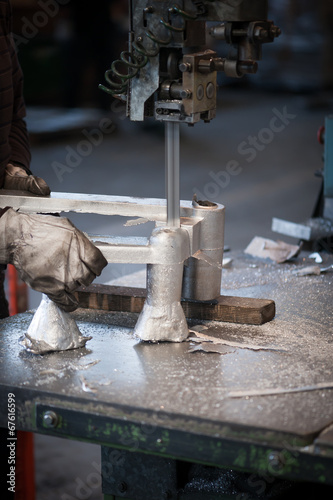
pixel 300 231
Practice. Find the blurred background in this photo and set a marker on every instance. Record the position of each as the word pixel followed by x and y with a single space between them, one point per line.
pixel 64 51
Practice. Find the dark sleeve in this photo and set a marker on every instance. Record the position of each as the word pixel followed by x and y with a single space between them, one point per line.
pixel 18 137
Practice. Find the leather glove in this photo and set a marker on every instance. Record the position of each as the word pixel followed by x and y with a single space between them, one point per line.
pixel 18 179
pixel 50 254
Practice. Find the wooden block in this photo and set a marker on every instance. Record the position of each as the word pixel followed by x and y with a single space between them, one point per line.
pixel 241 310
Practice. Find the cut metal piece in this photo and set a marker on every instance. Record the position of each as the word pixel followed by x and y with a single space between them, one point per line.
pixel 127 206
pixel 52 329
pixel 287 228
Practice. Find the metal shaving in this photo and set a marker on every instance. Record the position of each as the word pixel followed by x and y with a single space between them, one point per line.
pixel 201 337
pixel 86 387
pixel 279 390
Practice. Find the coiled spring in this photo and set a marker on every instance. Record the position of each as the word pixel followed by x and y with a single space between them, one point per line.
pixel 133 61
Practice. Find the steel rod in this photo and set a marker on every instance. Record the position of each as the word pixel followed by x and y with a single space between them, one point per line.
pixel 172 173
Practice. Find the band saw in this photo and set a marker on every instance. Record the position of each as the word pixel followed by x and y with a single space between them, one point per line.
pixel 169 75
pixel 170 421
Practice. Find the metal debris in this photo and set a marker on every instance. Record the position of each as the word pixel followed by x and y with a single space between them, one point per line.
pixel 312 270
pixel 136 222
pixel 86 387
pixel 317 257
pixel 307 271
pixel 325 269
pixel 226 263
pixel 201 337
pixel 88 365
pixel 51 371
pixel 211 348
pixel 280 390
pixel 277 251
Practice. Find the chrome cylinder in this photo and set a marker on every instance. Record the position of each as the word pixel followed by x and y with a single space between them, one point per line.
pixel 203 271
pixel 162 317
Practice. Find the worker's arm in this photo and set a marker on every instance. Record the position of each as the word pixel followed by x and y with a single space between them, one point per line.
pixel 14 134
pixel 50 254
pixel 18 135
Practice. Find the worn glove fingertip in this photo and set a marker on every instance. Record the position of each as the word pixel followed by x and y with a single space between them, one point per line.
pixel 39 186
pixel 65 301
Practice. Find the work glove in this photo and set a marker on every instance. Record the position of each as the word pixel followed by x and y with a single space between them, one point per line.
pixel 18 179
pixel 50 254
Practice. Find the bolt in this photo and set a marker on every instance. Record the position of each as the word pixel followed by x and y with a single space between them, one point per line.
pixel 50 419
pixel 210 90
pixel 260 33
pixel 139 39
pixel 275 461
pixel 185 67
pixel 148 10
pixel 122 487
pixel 275 31
pixel 185 94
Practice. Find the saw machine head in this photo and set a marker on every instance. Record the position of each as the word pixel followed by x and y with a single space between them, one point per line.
pixel 168 73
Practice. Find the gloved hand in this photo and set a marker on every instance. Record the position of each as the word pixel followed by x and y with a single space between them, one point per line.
pixel 18 179
pixel 50 254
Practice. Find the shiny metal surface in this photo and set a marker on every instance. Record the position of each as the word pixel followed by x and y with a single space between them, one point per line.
pixel 151 208
pixel 52 329
pixel 172 173
pixel 203 222
pixel 301 231
pixel 162 317
pixel 183 389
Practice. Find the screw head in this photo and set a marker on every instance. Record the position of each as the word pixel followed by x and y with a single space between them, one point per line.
pixel 275 461
pixel 185 94
pixel 122 487
pixel 185 67
pixel 50 419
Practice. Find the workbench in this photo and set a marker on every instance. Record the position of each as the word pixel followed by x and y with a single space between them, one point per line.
pixel 262 403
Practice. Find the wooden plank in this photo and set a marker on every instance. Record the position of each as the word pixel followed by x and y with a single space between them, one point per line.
pixel 241 310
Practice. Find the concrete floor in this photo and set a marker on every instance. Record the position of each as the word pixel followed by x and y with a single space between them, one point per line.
pixel 275 178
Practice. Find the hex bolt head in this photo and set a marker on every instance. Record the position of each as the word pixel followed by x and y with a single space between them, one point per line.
pixel 50 419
